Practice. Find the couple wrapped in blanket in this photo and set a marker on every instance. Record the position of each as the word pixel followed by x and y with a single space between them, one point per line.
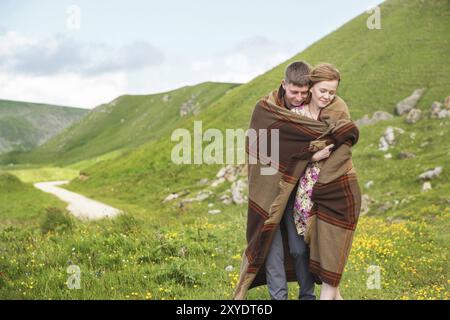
pixel 301 219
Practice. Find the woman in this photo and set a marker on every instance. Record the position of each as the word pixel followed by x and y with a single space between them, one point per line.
pixel 325 80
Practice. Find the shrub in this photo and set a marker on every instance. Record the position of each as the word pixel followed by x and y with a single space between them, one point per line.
pixel 56 220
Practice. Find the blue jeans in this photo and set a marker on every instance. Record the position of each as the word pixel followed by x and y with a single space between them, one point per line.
pixel 299 250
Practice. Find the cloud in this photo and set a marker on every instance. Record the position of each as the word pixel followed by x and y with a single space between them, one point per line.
pixel 63 89
pixel 246 60
pixel 60 71
pixel 61 54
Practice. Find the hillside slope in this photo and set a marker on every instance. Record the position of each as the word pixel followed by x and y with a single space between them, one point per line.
pixel 24 125
pixel 126 122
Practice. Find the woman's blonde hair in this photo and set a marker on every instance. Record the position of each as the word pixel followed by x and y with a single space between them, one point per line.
pixel 323 72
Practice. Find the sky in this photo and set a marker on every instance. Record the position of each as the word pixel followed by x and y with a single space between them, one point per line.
pixel 85 53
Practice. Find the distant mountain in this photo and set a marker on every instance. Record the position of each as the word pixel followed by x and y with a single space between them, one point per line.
pixel 24 125
pixel 126 122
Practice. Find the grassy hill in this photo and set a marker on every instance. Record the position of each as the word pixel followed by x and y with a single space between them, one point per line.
pixel 379 67
pixel 125 123
pixel 24 125
pixel 167 251
pixel 21 204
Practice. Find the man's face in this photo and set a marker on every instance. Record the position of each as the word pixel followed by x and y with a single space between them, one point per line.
pixel 295 95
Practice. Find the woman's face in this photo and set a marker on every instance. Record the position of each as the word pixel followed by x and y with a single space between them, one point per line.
pixel 322 93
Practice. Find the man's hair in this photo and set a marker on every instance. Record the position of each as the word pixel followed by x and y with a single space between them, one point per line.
pixel 297 73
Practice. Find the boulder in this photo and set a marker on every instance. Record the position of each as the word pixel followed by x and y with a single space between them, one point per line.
pixel 369 184
pixel 426 186
pixel 413 116
pixel 171 197
pixel 435 108
pixel 365 204
pixel 226 199
pixel 409 103
pixel 388 138
pixel 431 174
pixel 406 155
pixel 443 114
pixel 376 117
pixel 237 191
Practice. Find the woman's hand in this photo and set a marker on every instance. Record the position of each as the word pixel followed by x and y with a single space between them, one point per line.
pixel 322 154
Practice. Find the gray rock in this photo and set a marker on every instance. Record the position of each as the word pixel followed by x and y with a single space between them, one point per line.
pixel 381 115
pixel 376 117
pixel 443 114
pixel 413 116
pixel 226 199
pixel 202 182
pixel 229 268
pixel 426 186
pixel 237 191
pixel 410 102
pixel 221 172
pixel 369 184
pixel 365 204
pixel 435 108
pixel 202 195
pixel 389 135
pixel 385 207
pixel 189 106
pixel 431 174
pixel 388 138
pixel 383 145
pixel 364 121
pixel 214 211
pixel 217 182
pixel 406 155
pixel 171 197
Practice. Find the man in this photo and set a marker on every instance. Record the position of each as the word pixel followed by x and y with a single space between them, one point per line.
pixel 292 93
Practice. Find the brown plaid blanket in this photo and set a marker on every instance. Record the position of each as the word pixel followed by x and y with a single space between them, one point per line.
pixel 336 195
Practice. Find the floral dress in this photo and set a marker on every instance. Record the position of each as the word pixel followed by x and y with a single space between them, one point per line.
pixel 303 203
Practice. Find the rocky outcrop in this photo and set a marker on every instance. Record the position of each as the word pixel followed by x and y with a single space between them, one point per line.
pixel 388 139
pixel 404 106
pixel 431 174
pixel 376 117
pixel 189 106
pixel 413 116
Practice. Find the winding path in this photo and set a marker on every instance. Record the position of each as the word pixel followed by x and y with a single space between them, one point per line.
pixel 79 205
